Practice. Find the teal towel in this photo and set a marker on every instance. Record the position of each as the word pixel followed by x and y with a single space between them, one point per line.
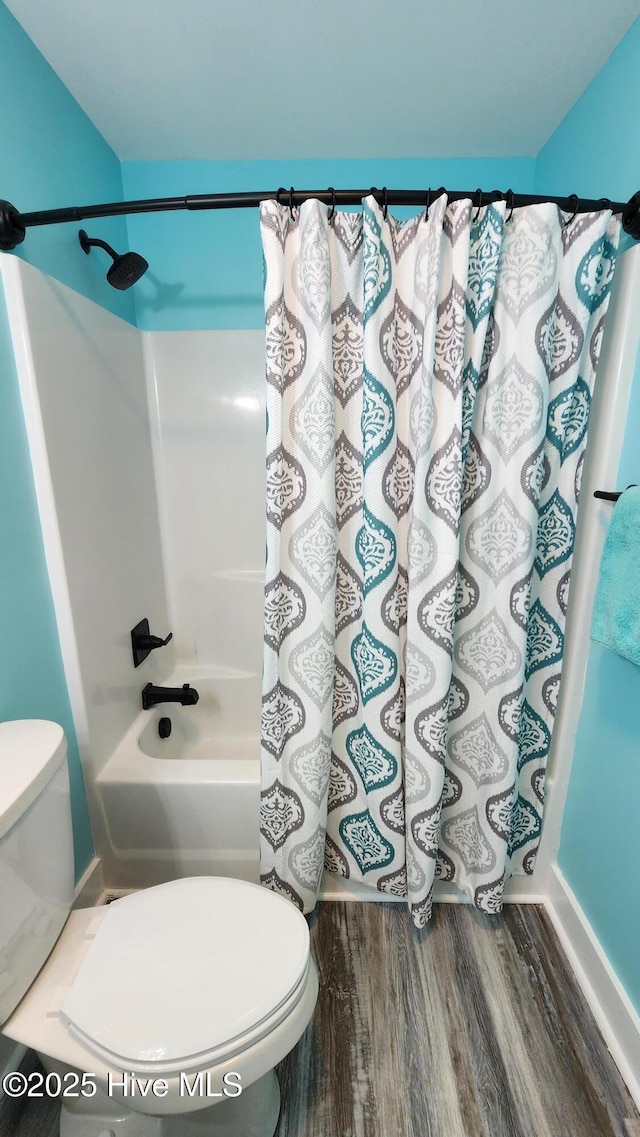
pixel 616 615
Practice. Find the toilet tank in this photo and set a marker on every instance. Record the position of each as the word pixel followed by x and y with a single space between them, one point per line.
pixel 36 851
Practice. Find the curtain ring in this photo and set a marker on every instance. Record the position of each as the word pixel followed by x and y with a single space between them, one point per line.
pixel 291 213
pixel 385 204
pixel 575 204
pixel 509 198
pixel 438 193
pixel 332 212
pixel 607 204
pixel 428 205
pixel 280 190
pixel 478 204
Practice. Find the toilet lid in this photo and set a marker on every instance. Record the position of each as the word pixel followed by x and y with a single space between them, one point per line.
pixel 187 968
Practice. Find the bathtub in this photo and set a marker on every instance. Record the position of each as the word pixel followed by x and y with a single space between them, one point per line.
pixel 187 804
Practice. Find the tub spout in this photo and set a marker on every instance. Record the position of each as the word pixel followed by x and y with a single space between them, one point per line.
pixel 151 695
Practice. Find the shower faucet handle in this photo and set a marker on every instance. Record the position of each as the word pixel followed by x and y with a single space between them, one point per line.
pixel 142 642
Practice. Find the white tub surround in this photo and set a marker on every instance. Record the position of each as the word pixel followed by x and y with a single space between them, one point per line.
pixel 207 405
pixel 82 382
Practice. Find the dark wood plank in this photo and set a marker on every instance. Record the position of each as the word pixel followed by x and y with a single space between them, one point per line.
pixel 473 1028
pixel 569 1041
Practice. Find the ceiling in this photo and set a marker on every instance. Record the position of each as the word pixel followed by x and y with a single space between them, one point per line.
pixel 231 79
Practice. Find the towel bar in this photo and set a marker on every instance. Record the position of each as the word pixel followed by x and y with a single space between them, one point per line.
pixel 607 495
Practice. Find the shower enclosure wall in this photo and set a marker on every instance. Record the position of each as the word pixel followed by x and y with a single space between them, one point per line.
pixel 148 457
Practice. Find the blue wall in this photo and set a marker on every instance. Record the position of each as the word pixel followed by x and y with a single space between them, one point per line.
pixel 206 268
pixel 593 151
pixel 51 155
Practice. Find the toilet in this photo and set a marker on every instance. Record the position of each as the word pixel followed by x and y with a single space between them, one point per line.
pixel 162 1014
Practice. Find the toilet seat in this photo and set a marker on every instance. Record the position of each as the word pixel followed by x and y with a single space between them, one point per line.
pixel 38 1022
pixel 188 974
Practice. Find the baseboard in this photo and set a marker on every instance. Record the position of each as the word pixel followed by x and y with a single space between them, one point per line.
pixel 90 887
pixel 610 1005
pixel 518 890
pixel 334 887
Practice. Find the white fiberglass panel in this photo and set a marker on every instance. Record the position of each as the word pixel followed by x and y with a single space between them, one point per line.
pixel 208 390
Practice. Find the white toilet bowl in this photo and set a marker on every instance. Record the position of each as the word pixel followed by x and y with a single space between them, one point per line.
pixel 160 1015
pixel 176 999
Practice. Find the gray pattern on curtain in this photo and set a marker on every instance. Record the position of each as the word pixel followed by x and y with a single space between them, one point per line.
pixel 429 385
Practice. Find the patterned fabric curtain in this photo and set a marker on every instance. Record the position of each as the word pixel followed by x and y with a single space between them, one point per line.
pixel 429 385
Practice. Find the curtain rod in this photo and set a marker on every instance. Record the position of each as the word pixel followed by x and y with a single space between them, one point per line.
pixel 13 224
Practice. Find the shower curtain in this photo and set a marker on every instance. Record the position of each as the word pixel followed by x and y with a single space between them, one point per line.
pixel 429 385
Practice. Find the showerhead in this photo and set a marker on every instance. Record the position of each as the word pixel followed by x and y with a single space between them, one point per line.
pixel 126 268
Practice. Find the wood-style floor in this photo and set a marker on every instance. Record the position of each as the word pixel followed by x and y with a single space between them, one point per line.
pixel 472 1028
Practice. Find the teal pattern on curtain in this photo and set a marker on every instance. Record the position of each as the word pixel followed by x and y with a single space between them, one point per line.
pixel 429 385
